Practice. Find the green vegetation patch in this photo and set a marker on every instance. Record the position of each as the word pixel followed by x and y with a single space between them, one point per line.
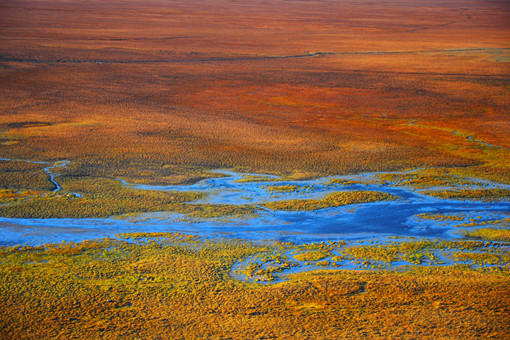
pixel 503 222
pixel 213 211
pixel 9 196
pixel 182 283
pixel 24 175
pixel 339 181
pixel 332 200
pixel 481 259
pixel 421 252
pixel 311 256
pixel 490 234
pixel 86 197
pixel 263 266
pixel 102 197
pixel 468 221
pixel 423 180
pixel 483 195
pixel 281 188
pixel 413 252
pixel 256 178
pixel 442 217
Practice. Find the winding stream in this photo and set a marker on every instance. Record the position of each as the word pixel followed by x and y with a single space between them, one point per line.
pixel 48 169
pixel 399 218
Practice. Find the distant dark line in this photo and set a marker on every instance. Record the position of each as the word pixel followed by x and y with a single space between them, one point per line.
pixel 307 55
pixel 426 73
pixel 485 143
pixel 428 27
pixel 91 61
pixel 138 39
pixel 97 39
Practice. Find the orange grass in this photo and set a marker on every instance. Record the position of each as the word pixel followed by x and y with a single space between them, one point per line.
pixel 178 93
pixel 162 92
pixel 180 287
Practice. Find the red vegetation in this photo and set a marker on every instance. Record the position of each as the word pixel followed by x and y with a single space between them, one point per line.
pixel 276 86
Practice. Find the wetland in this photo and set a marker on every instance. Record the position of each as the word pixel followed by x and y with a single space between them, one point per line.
pixel 334 208
pixel 254 170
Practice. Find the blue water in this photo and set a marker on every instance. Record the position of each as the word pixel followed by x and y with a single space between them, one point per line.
pixel 354 222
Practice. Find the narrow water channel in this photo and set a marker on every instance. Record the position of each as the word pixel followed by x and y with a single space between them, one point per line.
pixel 353 222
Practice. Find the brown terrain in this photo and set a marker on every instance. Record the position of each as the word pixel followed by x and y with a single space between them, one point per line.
pixel 158 92
pixel 164 91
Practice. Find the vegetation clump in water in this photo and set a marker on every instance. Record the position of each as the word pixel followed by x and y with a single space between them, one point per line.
pixel 425 180
pixel 484 195
pixel 491 234
pixel 331 200
pixel 100 197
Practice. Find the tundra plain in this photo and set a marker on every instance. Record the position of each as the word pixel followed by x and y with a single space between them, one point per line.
pixel 235 169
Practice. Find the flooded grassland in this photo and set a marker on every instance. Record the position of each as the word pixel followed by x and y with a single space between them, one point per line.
pixel 254 170
pixel 257 256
